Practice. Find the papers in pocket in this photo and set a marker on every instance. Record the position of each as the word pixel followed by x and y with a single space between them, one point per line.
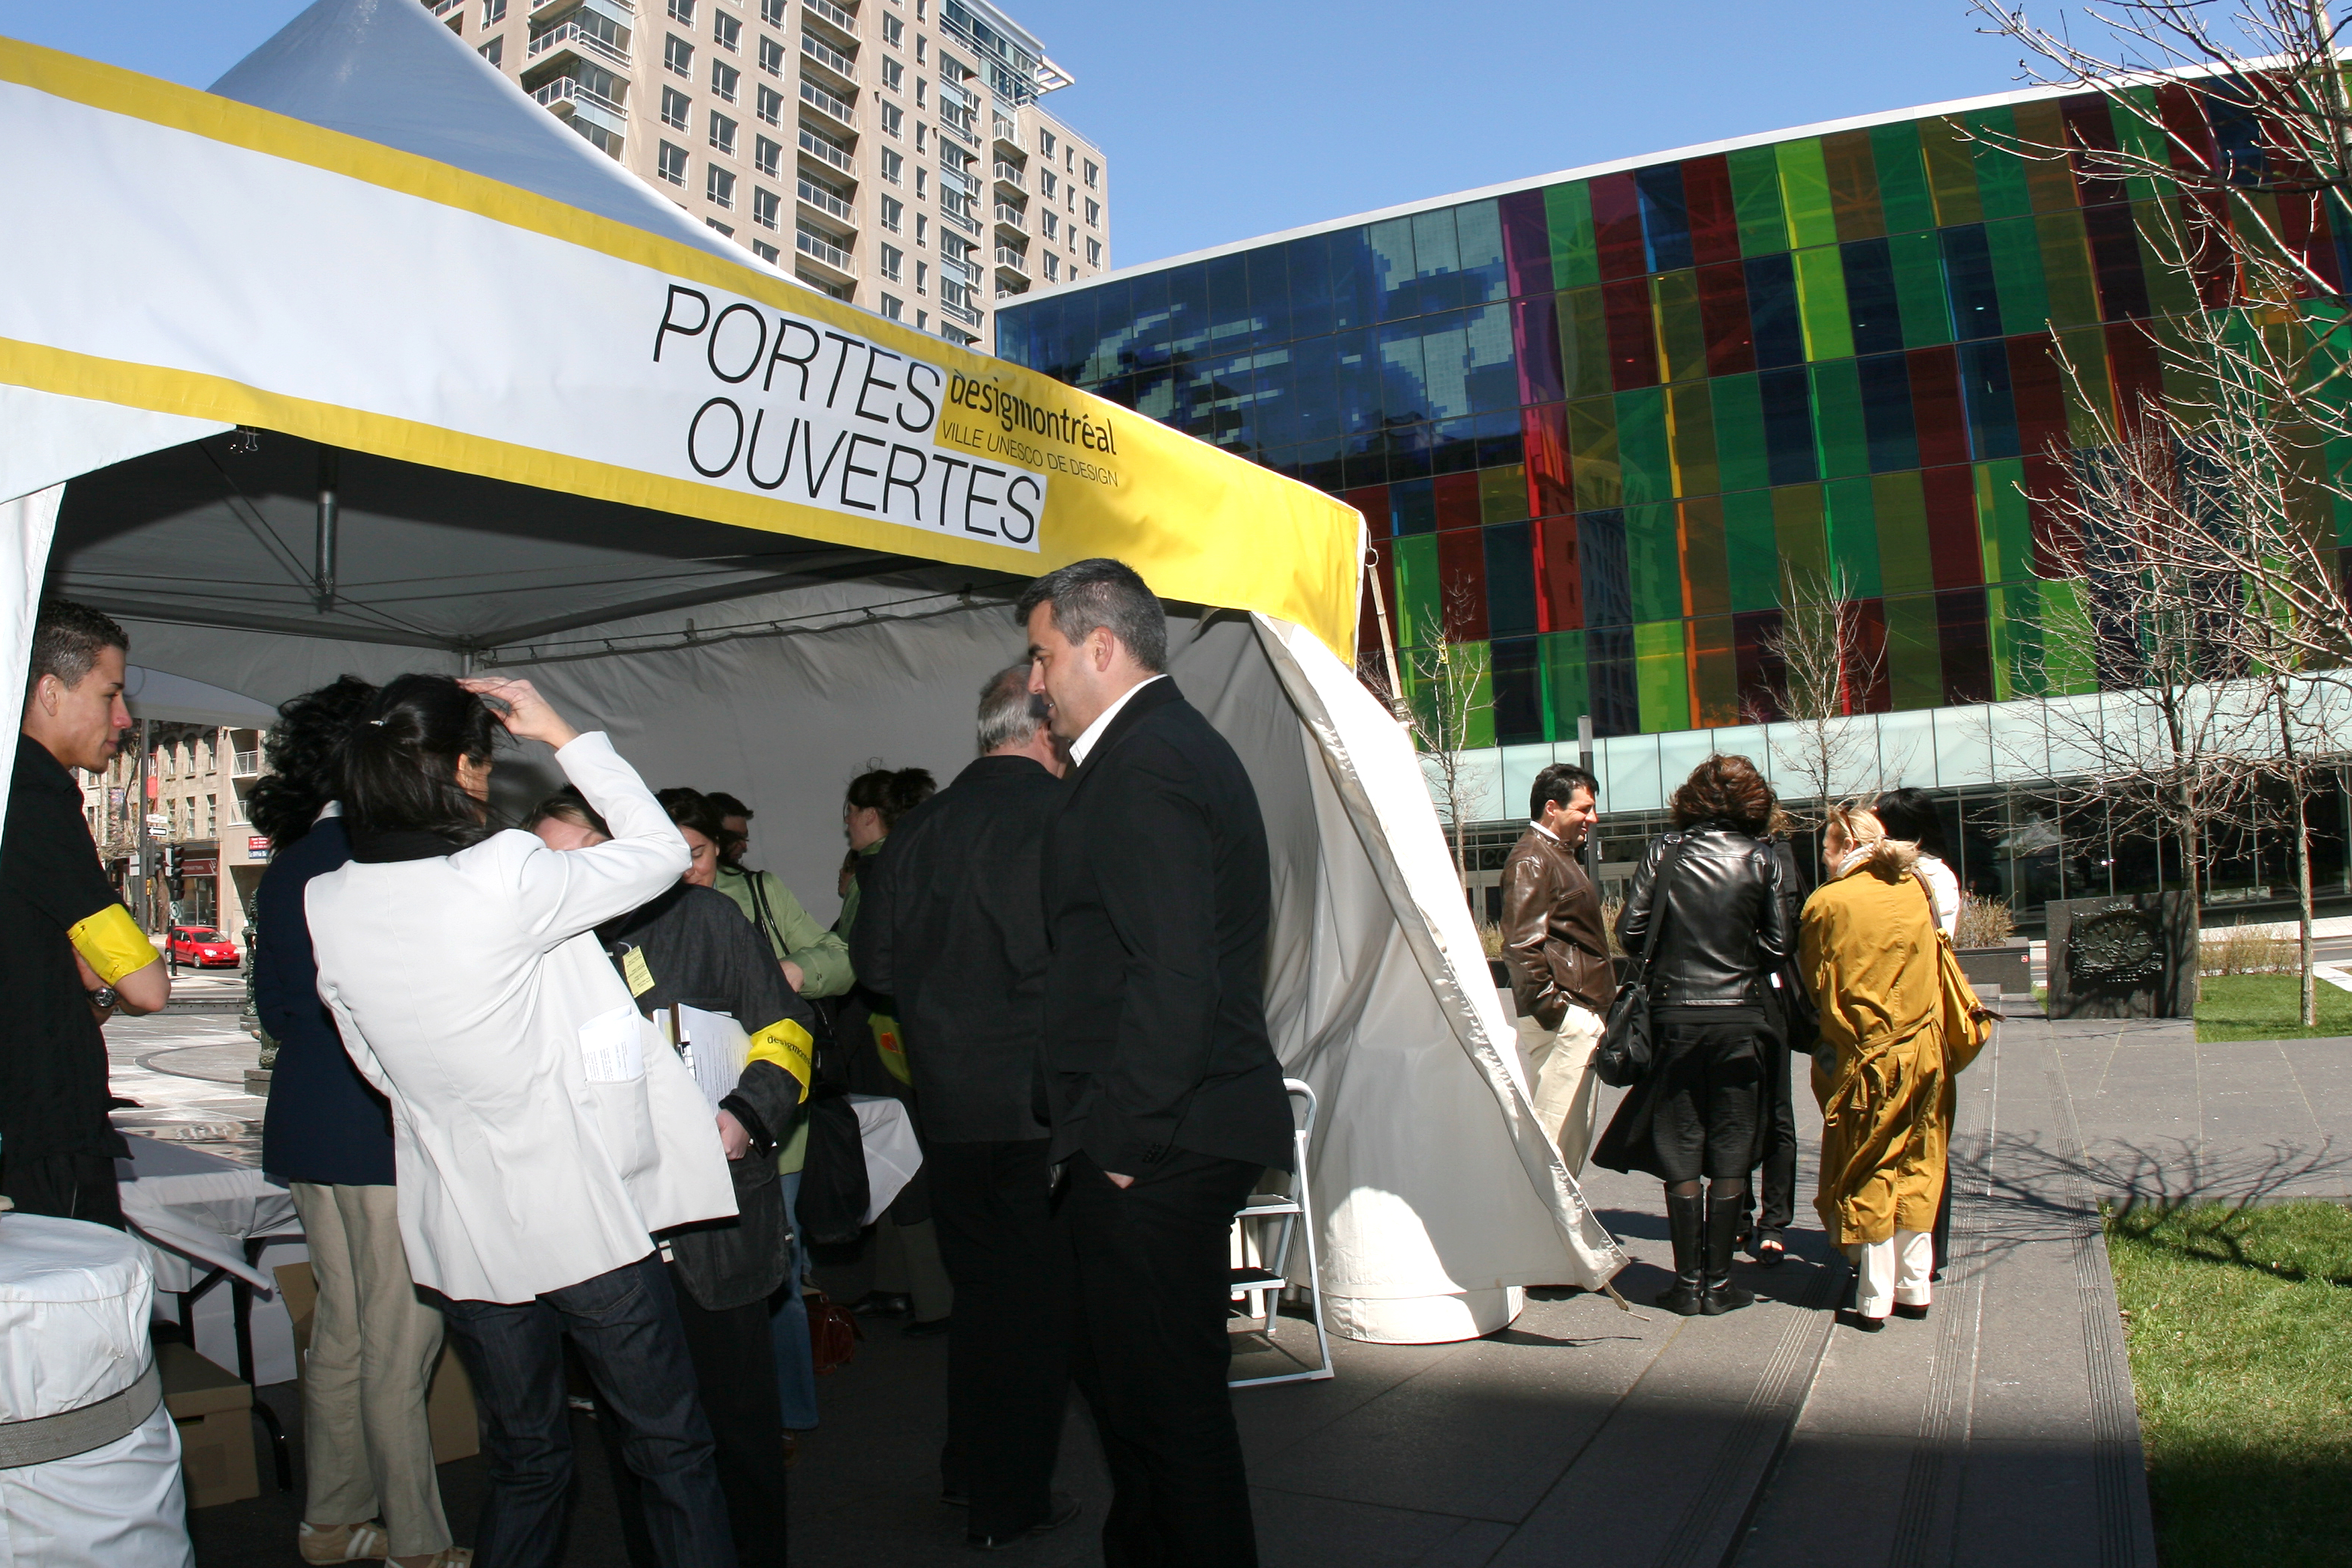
pixel 612 1047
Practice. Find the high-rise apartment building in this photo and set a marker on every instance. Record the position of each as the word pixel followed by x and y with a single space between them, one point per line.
pixel 890 152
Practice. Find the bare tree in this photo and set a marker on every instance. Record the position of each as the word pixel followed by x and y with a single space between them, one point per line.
pixel 1446 689
pixel 1827 669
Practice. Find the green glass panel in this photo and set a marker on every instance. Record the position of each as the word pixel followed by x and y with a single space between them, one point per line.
pixel 1902 178
pixel 2042 127
pixel 1756 197
pixel 1919 290
pixel 1905 563
pixel 1690 425
pixel 1740 455
pixel 2000 172
pixel 1575 254
pixel 2067 657
pixel 2012 619
pixel 2183 381
pixel 1805 192
pixel 2066 269
pixel 1645 459
pixel 2016 274
pixel 1914 658
pixel 1853 526
pixel 1567 687
pixel 1592 444
pixel 1838 432
pixel 1502 493
pixel 1853 185
pixel 2140 133
pixel 1820 302
pixel 2170 290
pixel 1707 567
pixel 1654 562
pixel 1662 675
pixel 1419 622
pixel 1481 725
pixel 1681 336
pixel 2089 402
pixel 1798 533
pixel 1583 343
pixel 1750 552
pixel 1951 173
pixel 2003 522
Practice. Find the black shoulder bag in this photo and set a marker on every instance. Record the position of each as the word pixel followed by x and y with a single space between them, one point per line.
pixel 1626 1049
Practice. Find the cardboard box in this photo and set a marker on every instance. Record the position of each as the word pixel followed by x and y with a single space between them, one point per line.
pixel 213 1408
pixel 448 1405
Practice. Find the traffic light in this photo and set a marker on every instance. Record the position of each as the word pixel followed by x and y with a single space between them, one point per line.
pixel 172 862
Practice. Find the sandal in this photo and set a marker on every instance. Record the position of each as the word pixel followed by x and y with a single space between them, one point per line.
pixel 1768 1248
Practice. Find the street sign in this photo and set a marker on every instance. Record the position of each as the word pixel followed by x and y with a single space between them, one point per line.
pixel 257 845
pixel 206 865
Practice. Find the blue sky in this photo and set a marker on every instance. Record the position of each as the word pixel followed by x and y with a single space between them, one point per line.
pixel 1224 119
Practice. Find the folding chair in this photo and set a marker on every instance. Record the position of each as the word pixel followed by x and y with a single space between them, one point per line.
pixel 1289 1216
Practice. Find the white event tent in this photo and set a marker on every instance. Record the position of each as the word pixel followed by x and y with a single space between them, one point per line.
pixel 363 362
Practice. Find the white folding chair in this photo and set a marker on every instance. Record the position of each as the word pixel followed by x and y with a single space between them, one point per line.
pixel 1288 1216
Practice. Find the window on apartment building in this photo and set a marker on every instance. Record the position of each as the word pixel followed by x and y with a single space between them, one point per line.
pixel 922 229
pixel 722 134
pixel 922 50
pixel 1094 174
pixel 724 81
pixel 765 205
pixel 719 184
pixel 211 815
pixel 894 262
pixel 894 213
pixel 771 12
pixel 682 11
pixel 1046 142
pixel 495 51
pixel 766 253
pixel 921 102
pixel 1047 188
pixel 1094 213
pixel 1053 227
pixel 892 117
pixel 919 129
pixel 922 184
pixel 893 73
pixel 1053 267
pixel 677 55
pixel 771 57
pixel 1094 253
pixel 493 11
pixel 722 227
pixel 670 163
pixel 727 32
pixel 893 308
pixel 922 277
pixel 766 156
pixel 772 106
pixel 893 166
pixel 676 107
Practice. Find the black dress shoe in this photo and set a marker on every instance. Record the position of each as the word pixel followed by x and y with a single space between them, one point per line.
pixel 1906 1310
pixel 1059 1511
pixel 1853 1319
pixel 918 1330
pixel 884 1304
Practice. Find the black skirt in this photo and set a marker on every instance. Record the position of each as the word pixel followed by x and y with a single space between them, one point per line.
pixel 1696 1114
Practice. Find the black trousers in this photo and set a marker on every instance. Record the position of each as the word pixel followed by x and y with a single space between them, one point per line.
pixel 1151 1355
pixel 63 1186
pixel 1776 1136
pixel 734 1354
pixel 1008 1344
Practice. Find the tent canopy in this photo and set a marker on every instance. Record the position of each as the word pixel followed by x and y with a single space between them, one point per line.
pixel 761 537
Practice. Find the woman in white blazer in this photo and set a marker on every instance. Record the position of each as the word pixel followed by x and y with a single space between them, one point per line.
pixel 538 1143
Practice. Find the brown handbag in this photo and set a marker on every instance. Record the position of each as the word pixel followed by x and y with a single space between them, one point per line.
pixel 833 1333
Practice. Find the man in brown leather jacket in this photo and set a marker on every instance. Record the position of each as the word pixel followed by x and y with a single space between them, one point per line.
pixel 1558 955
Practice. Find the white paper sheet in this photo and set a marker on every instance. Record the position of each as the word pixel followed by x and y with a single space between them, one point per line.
pixel 717 1049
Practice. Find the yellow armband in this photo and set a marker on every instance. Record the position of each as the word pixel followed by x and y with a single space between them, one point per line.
pixel 787 1045
pixel 110 943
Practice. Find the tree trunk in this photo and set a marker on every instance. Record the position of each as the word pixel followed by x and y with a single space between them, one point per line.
pixel 2310 984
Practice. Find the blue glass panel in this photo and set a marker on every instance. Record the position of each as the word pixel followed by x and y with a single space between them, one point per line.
pixel 1315 389
pixel 1188 308
pixel 1510 581
pixel 1478 238
pixel 1886 413
pixel 1407 444
pixel 1356 381
pixel 1517 684
pixel 1787 396
pixel 1665 217
pixel 1113 329
pixel 1501 439
pixel 1405 378
pixel 1149 303
pixel 1276 407
pixel 1359 469
pixel 1778 331
pixel 1607 574
pixel 1078 339
pixel 1490 372
pixel 1609 670
pixel 1230 323
pixel 1437 262
pixel 1870 298
pixel 1311 304
pixel 1969 279
pixel 1269 293
pixel 1013 337
pixel 1454 447
pixel 1412 506
pixel 1355 279
pixel 1390 245
pixel 1992 412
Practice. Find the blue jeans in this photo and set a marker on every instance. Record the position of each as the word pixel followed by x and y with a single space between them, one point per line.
pixel 626 1328
pixel 795 1365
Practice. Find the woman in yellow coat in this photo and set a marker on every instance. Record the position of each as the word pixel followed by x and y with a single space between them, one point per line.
pixel 1868 953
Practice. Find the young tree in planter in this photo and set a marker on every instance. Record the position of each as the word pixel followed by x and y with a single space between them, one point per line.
pixel 1447 688
pixel 1827 669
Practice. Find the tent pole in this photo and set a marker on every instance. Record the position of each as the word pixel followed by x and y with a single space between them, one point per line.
pixel 324 574
pixel 1388 643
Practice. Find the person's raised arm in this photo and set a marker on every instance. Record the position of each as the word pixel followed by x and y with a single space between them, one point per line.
pixel 1634 919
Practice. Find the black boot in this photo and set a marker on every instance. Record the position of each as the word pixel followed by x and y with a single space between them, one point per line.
pixel 1723 1218
pixel 1686 1223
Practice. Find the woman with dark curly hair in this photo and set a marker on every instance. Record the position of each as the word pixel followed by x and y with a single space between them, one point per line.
pixel 1707 899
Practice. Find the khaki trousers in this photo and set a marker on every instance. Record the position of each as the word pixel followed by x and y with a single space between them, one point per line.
pixel 373 1346
pixel 1559 1073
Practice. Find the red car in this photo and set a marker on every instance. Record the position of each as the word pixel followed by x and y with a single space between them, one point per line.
pixel 200 945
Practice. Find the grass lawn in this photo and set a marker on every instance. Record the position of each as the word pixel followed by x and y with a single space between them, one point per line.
pixel 2266 1008
pixel 2240 1326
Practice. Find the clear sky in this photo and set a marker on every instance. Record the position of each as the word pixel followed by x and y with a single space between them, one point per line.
pixel 1225 119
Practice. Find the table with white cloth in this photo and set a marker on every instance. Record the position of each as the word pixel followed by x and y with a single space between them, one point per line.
pixel 89 1478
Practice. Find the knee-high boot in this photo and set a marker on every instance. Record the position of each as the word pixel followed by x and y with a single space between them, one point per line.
pixel 1686 1223
pixel 1723 1218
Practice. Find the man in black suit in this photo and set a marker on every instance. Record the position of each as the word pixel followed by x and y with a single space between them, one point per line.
pixel 1167 1099
pixel 953 926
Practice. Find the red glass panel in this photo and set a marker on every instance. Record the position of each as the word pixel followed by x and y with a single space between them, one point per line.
pixel 2302 229
pixel 2090 124
pixel 1870 636
pixel 1462 583
pixel 2138 367
pixel 1723 316
pixel 2188 139
pixel 1543 441
pixel 1966 649
pixel 2049 482
pixel 1955 548
pixel 1617 226
pixel 1372 500
pixel 2115 257
pixel 1457 500
pixel 2039 387
pixel 1754 635
pixel 1535 335
pixel 1714 673
pixel 1560 580
pixel 1633 340
pixel 1526 242
pixel 1936 408
pixel 1714 222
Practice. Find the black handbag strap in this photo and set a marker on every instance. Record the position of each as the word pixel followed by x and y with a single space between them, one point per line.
pixel 1666 863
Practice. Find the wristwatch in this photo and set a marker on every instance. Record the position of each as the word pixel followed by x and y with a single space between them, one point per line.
pixel 104 998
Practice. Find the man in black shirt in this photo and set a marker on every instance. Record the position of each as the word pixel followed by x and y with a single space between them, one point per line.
pixel 953 926
pixel 70 954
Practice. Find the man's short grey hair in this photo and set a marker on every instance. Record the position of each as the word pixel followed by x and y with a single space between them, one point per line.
pixel 1009 714
pixel 1102 593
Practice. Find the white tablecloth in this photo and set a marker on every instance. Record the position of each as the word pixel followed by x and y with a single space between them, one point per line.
pixel 198 1209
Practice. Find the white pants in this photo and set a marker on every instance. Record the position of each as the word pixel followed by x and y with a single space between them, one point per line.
pixel 1893 1270
pixel 1561 1080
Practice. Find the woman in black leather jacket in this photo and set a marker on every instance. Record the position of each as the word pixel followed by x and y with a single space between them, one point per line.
pixel 1708 895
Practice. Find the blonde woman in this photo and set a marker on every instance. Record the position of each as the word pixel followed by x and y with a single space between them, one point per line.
pixel 1867 953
